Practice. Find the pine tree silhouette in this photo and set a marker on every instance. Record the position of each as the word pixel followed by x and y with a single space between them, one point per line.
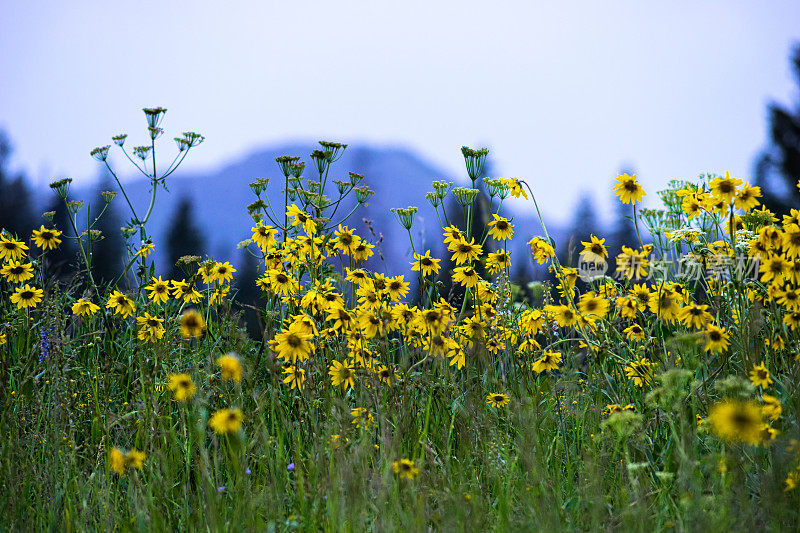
pixel 248 295
pixel 16 204
pixel 108 254
pixel 584 223
pixel 778 167
pixel 62 260
pixel 183 237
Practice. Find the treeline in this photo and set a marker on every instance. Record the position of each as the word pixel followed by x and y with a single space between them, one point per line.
pixel 24 208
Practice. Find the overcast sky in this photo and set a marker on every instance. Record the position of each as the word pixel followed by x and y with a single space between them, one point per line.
pixel 564 93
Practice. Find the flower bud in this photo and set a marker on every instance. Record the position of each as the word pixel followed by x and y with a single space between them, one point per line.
pixel 100 153
pixel 154 115
pixel 284 161
pixel 193 138
pixel 434 199
pixel 474 160
pixel 464 195
pixel 142 151
pixel 61 187
pixel 355 179
pixel 363 194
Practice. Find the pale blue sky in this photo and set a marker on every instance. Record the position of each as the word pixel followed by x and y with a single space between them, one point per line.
pixel 564 93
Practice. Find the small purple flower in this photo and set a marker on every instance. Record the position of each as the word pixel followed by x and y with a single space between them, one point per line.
pixel 290 467
pixel 220 489
pixel 45 344
pixel 247 471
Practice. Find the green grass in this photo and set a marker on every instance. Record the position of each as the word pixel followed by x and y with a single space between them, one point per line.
pixel 543 462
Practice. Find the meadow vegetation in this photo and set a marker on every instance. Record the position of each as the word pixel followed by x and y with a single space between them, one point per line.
pixel 657 396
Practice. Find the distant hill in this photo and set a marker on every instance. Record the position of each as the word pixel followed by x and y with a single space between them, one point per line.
pixel 399 178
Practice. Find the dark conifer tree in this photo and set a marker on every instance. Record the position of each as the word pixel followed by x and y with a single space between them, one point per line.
pixel 584 223
pixel 248 295
pixel 16 204
pixel 778 167
pixel 62 260
pixel 108 254
pixel 183 237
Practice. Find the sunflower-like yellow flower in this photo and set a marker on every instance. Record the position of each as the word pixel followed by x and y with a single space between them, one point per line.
pixel 27 296
pixel 342 374
pixel 223 272
pixel 362 251
pixel 295 377
pixel 466 276
pixel 452 234
pixel 716 339
pixel 264 237
pixel 404 468
pixel 362 417
pixel 541 250
pixel 192 324
pixel 633 263
pixel 119 461
pixel 11 250
pixel 772 407
pixel 151 328
pixel 46 239
pixel 500 228
pixel 16 271
pixel 158 290
pixel 218 296
pixel 425 264
pixel 116 461
pixel 299 218
pixel 497 399
pixel 628 189
pixel 641 372
pixel 548 361
pixel 594 250
pixel 747 197
pixel 724 189
pixel 515 187
pixel 774 269
pixel 84 307
pixel 230 367
pixel 397 288
pixel 737 421
pixel 564 315
pixel 386 375
pixel 592 306
pixel 182 386
pixel 793 477
pixel 634 332
pixel 293 344
pixel 760 377
pixel 181 290
pixel 226 421
pixel 464 251
pixel 121 304
pixel 146 250
pixel 345 240
pixel 695 316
